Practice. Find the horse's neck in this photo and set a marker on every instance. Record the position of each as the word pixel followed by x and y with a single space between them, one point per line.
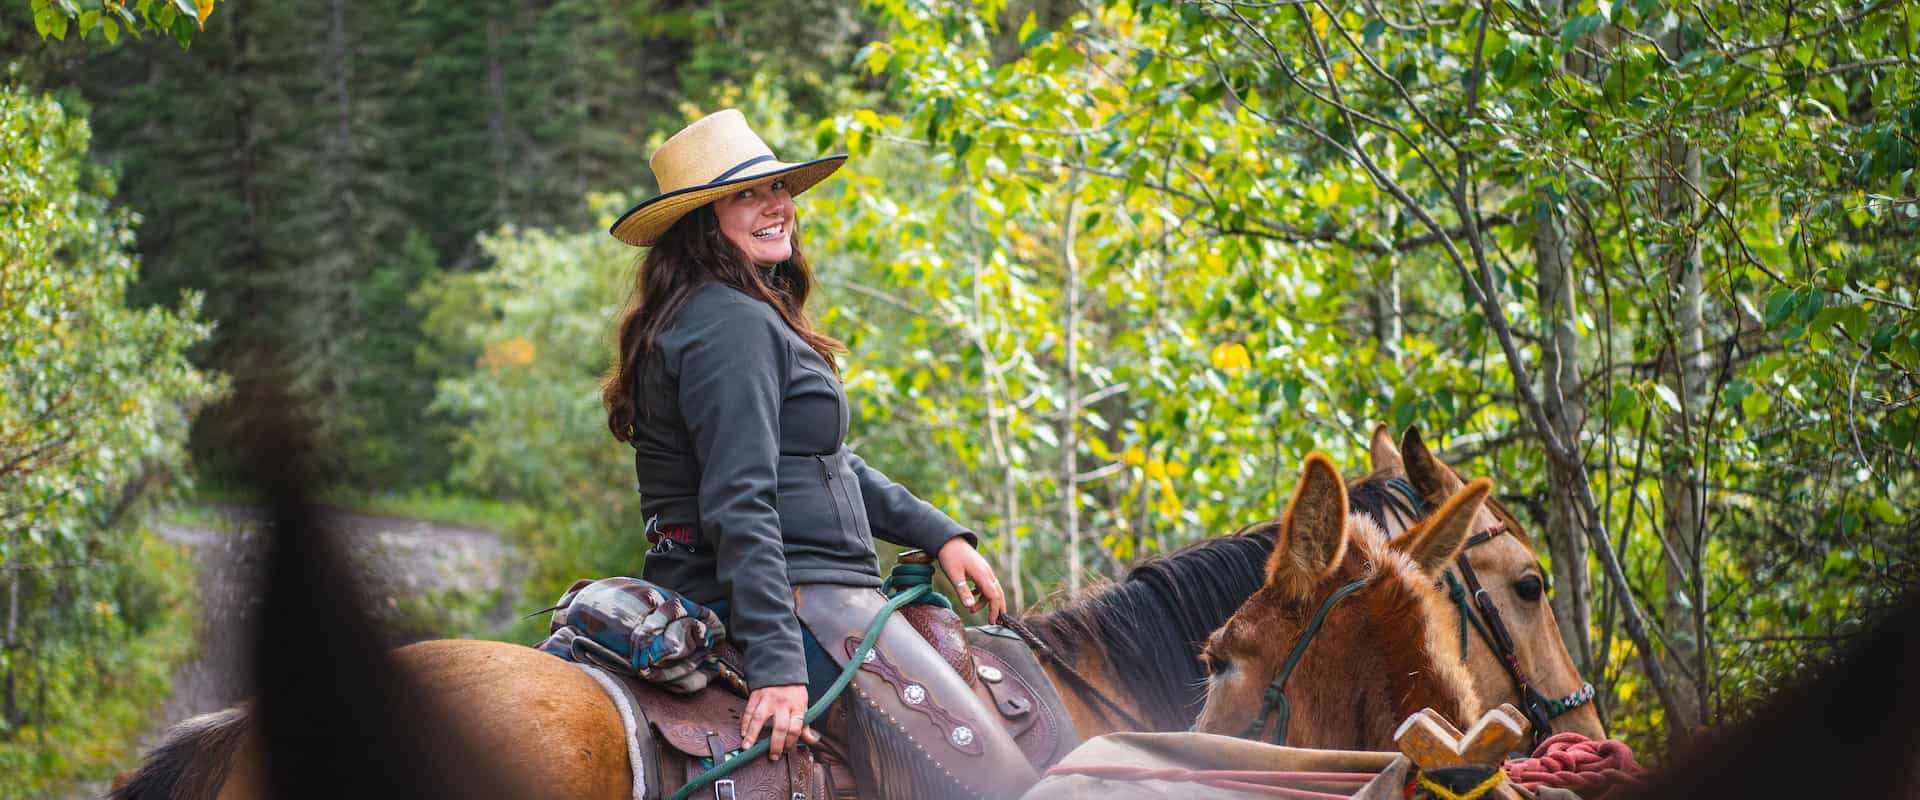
pixel 1090 705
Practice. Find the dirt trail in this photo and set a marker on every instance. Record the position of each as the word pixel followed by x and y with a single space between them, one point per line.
pixel 399 557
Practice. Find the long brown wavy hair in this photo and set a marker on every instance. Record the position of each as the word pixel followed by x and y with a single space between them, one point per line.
pixel 693 253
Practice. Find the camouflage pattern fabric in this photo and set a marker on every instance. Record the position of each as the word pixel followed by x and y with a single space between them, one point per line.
pixel 634 627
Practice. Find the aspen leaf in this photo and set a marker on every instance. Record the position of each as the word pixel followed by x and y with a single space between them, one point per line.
pixel 1231 356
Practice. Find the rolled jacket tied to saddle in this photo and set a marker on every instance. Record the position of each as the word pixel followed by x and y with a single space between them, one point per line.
pixel 635 627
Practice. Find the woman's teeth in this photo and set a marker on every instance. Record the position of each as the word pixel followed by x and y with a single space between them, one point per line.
pixel 770 231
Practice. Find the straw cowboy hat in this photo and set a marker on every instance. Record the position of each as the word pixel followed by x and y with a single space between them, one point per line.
pixel 711 158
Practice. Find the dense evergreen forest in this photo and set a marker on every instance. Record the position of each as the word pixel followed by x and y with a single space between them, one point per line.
pixel 1107 271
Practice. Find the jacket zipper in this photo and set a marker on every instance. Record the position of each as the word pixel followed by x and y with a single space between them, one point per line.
pixel 833 492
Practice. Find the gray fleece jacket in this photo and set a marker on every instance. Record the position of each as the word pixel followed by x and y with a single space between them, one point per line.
pixel 740 455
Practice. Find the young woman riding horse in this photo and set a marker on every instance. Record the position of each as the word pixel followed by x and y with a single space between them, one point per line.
pixel 733 405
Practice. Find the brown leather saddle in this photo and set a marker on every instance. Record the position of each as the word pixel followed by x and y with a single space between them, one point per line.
pixel 681 736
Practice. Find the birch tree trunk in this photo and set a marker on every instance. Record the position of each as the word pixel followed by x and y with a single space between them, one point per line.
pixel 1564 396
pixel 1070 433
pixel 1681 494
pixel 992 393
pixel 1388 329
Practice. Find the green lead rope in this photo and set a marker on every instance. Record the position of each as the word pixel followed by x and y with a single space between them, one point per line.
pixel 1457 593
pixel 906 576
pixel 736 759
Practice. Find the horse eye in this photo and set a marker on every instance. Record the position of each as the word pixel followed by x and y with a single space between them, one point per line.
pixel 1215 664
pixel 1529 588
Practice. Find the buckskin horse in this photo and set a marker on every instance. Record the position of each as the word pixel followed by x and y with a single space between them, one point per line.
pixel 1130 674
pixel 1348 636
pixel 1124 657
pixel 1507 633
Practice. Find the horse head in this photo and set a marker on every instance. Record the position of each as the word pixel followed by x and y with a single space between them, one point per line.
pixel 1350 633
pixel 1514 581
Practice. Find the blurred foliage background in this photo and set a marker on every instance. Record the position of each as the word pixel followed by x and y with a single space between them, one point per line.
pixel 1108 271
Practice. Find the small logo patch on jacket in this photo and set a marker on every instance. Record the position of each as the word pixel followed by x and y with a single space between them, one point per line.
pixel 668 538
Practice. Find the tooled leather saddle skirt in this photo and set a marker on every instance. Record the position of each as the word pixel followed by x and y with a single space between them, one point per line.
pixel 680 736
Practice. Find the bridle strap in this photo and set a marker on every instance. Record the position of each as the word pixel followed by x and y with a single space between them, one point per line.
pixel 1275 700
pixel 1539 709
pixel 1532 703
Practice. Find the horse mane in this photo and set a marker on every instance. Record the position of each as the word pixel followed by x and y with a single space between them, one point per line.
pixel 193 760
pixel 1154 620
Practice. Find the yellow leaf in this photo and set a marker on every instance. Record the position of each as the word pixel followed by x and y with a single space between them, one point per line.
pixel 1133 457
pixel 1231 356
pixel 1156 470
pixel 1168 509
pixel 514 352
pixel 205 7
pixel 1176 469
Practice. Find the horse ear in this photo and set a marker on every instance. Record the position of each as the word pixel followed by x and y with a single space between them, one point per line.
pixel 1313 530
pixel 1382 451
pixel 1435 542
pixel 1433 478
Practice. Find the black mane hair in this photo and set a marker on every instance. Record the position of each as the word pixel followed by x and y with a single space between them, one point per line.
pixel 1151 625
pixel 1153 622
pixel 1380 502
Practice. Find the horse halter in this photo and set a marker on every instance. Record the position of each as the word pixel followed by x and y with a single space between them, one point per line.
pixel 1275 700
pixel 1539 709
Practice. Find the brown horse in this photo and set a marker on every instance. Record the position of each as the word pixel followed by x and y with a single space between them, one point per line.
pixel 1125 658
pixel 1349 635
pixel 1505 567
pixel 1124 638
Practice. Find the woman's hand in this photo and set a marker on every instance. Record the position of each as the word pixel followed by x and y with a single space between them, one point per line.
pixel 970 573
pixel 783 707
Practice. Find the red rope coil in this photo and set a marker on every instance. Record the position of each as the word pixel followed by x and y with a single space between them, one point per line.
pixel 1587 767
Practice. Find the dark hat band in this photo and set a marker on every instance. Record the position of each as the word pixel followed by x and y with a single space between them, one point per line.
pixel 740 166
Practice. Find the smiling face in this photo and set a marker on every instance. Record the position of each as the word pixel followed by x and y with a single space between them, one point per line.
pixel 758 219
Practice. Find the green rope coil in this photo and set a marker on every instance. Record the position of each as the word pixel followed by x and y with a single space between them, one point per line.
pixel 908 576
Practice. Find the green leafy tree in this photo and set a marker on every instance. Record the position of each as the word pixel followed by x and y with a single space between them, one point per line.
pixel 180 19
pixel 95 400
pixel 1401 213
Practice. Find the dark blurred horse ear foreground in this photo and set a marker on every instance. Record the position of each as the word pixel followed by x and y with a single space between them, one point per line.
pixel 334 713
pixel 1851 729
